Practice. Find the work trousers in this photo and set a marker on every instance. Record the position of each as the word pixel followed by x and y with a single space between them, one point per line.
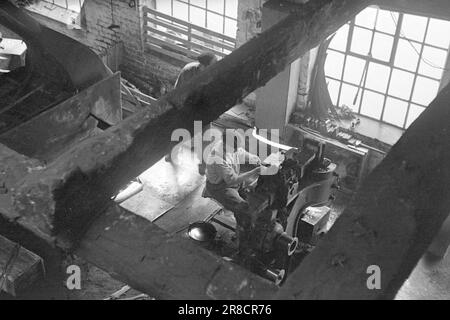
pixel 230 199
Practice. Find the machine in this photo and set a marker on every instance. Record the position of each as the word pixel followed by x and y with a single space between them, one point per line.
pixel 278 201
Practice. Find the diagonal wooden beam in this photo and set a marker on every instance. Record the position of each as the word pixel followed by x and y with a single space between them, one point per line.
pixel 165 266
pixel 390 223
pixel 69 192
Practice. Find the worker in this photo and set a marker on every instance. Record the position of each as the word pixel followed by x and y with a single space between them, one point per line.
pixel 188 72
pixel 224 181
pixel 194 68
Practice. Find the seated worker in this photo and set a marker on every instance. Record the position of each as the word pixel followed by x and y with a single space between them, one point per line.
pixel 224 180
pixel 188 72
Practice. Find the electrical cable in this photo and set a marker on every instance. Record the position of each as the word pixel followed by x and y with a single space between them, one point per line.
pixel 422 58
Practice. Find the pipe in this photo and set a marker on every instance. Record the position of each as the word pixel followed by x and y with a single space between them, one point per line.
pixel 284 241
pixel 277 276
pixel 288 242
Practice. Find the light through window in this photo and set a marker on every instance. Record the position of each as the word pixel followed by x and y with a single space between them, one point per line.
pixel 72 5
pixel 387 65
pixel 216 15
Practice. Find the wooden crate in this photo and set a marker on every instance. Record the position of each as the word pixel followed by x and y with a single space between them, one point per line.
pixel 23 270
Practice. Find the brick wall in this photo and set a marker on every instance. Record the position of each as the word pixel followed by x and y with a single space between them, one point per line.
pixel 249 20
pixel 150 73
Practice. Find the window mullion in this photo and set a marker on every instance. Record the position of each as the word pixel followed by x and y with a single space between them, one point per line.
pixel 396 39
pixel 387 91
pixel 416 74
pixel 223 17
pixel 347 51
pixel 368 60
pixel 392 60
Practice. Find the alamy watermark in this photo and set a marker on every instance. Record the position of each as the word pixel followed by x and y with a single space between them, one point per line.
pixel 231 140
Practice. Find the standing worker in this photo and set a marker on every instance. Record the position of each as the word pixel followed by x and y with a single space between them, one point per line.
pixel 188 72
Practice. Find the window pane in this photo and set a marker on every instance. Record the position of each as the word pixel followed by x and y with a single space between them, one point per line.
pixel 377 77
pixel 372 104
pixel 231 8
pixel 180 10
pixel 230 27
pixel 215 5
pixel 348 94
pixel 425 90
pixel 366 18
pixel 334 64
pixel 339 41
pixel 433 62
pixel 61 3
pixel 413 27
pixel 387 21
pixel 382 46
pixel 401 84
pixel 354 69
pixel 333 89
pixel 414 112
pixel 74 5
pixel 406 57
pixel 395 111
pixel 164 6
pixel 438 33
pixel 198 17
pixel 361 41
pixel 215 22
pixel 200 3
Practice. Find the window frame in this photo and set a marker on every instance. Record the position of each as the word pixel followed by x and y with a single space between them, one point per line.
pixel 397 36
pixel 59 13
pixel 223 14
pixel 66 7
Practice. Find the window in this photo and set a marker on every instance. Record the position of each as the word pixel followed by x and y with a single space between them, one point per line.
pixel 65 11
pixel 387 65
pixel 216 15
pixel 72 5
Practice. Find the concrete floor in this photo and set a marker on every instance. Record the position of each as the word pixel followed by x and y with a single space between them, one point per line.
pixel 430 280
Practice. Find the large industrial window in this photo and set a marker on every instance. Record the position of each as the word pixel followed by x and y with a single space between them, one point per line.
pixel 216 15
pixel 387 65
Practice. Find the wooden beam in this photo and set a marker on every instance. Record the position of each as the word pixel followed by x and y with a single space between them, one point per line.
pixel 164 266
pixel 68 193
pixel 392 220
pixel 20 268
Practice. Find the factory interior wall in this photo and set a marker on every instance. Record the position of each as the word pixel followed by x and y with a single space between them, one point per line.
pixel 282 95
pixel 148 72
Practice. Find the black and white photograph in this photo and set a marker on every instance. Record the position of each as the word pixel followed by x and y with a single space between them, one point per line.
pixel 229 156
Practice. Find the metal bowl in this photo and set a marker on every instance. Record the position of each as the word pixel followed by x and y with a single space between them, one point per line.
pixel 202 231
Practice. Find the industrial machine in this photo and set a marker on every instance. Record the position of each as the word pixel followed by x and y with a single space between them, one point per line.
pixel 278 201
